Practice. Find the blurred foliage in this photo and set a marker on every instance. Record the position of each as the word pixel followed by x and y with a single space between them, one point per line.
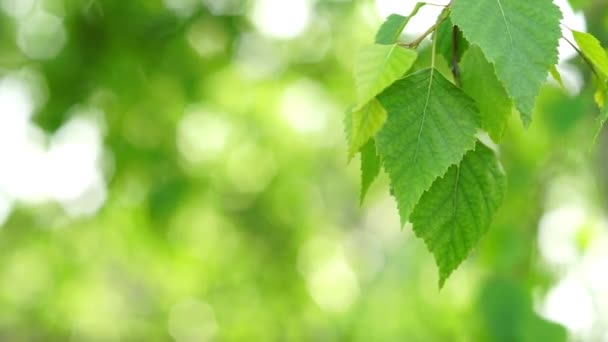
pixel 231 213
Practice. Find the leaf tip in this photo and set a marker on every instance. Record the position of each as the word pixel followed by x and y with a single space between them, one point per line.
pixel 350 156
pixel 444 274
pixel 362 195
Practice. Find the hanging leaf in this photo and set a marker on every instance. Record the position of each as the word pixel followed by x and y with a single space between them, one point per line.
pixel 370 167
pixel 377 67
pixel 593 51
pixel 519 37
pixel 365 123
pixel 457 210
pixel 431 124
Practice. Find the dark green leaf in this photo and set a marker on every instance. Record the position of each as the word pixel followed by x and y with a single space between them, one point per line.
pixel 370 167
pixel 479 81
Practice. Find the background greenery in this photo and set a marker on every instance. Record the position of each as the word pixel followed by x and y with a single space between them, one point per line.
pixel 176 170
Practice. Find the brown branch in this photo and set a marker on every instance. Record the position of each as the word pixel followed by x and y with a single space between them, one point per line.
pixel 455 51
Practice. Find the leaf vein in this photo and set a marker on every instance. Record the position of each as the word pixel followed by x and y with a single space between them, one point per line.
pixel 426 105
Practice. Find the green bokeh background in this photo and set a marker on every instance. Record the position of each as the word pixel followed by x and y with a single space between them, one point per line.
pixel 231 213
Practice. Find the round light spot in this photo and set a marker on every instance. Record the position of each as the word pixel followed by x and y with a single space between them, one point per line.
pixel 182 8
pixel 41 36
pixel 192 320
pixel 332 283
pixel 201 135
pixel 557 235
pixel 17 8
pixel 281 19
pixel 246 178
pixel 207 37
pixel 307 107
pixel 570 303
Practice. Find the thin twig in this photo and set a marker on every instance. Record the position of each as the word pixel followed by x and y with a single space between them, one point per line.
pixel 455 69
pixel 419 40
pixel 415 43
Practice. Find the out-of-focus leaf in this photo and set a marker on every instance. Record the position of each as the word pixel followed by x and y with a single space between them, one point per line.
pixel 507 312
pixel 593 51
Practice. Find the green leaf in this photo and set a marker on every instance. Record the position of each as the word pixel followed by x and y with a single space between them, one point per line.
pixel 479 82
pixel 431 124
pixel 593 51
pixel 370 167
pixel 600 95
pixel 377 67
pixel 393 26
pixel 370 161
pixel 365 123
pixel 519 37
pixel 557 76
pixel 600 121
pixel 596 55
pixel 391 29
pixel 348 126
pixel 457 210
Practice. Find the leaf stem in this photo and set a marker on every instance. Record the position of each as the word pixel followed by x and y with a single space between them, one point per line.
pixel 442 17
pixel 434 48
pixel 437 5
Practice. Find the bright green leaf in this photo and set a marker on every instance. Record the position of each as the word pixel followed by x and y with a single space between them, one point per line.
pixel 479 82
pixel 593 51
pixel 370 161
pixel 431 124
pixel 600 96
pixel 600 121
pixel 519 37
pixel 377 67
pixel 457 210
pixel 557 76
pixel 348 126
pixel 365 123
pixel 370 166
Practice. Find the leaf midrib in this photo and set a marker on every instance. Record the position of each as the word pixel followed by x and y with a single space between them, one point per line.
pixel 424 113
pixel 504 17
pixel 363 121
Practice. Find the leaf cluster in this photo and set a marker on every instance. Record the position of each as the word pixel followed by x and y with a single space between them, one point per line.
pixel 423 127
